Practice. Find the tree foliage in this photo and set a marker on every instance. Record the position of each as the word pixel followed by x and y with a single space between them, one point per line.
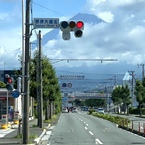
pixel 2 84
pixel 121 94
pixel 95 102
pixel 51 89
pixel 140 93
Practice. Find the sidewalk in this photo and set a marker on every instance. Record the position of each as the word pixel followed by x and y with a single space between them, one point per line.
pixel 10 137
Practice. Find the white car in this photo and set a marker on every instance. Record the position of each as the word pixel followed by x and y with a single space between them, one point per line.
pixel 64 110
pixel 100 110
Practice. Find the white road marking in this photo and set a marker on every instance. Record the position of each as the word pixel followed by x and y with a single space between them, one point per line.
pixel 98 141
pixel 85 122
pixel 4 132
pixel 87 125
pixel 86 128
pixel 91 133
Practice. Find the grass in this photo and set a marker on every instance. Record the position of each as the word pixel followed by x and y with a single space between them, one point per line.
pixel 51 120
pixel 31 136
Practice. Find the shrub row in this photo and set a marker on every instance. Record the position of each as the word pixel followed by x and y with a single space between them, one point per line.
pixel 115 119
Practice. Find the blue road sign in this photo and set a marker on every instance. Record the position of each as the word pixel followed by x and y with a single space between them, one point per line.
pixel 69 85
pixel 15 93
pixel 64 85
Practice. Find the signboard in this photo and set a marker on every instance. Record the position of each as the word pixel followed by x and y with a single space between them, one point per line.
pixel 69 85
pixel 46 23
pixel 15 93
pixel 3 98
pixel 69 77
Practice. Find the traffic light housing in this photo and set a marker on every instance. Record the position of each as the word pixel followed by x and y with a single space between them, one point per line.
pixel 10 83
pixel 71 26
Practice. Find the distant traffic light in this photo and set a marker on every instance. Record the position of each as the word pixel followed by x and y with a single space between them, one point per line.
pixel 68 26
pixel 10 83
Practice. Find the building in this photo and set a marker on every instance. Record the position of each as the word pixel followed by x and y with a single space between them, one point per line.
pixel 6 98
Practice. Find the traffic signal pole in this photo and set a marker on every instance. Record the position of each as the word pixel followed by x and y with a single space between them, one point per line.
pixel 25 119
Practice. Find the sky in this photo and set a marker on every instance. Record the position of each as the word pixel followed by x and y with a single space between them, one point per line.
pixel 121 36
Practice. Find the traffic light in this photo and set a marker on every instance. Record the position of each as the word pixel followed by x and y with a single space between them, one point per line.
pixel 10 83
pixel 71 26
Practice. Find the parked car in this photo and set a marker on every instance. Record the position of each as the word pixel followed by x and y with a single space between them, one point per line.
pixel 101 111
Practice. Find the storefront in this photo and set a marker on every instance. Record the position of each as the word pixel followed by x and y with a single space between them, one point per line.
pixel 3 102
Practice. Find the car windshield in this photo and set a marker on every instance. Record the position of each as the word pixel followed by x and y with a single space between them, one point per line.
pixel 72 72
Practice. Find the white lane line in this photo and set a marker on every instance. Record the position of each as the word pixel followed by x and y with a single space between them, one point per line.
pixel 86 128
pixel 87 125
pixel 91 133
pixel 98 141
pixel 84 122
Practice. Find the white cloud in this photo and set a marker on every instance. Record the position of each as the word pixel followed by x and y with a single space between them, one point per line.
pixel 121 38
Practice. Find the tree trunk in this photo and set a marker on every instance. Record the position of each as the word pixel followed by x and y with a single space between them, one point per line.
pixel 140 111
pixel 127 109
pixel 47 110
pixel 50 117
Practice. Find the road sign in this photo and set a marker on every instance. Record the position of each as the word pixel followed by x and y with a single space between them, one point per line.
pixel 46 23
pixel 15 93
pixel 69 85
pixel 70 77
pixel 64 85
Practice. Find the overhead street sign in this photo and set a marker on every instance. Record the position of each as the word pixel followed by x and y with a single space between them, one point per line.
pixel 46 23
pixel 69 77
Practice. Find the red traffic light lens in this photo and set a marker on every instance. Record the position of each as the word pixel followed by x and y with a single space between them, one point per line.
pixel 9 80
pixel 80 24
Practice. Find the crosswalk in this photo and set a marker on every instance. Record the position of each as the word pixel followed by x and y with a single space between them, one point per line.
pixel 4 132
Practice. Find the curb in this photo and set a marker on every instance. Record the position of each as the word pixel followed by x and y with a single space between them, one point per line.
pixel 37 140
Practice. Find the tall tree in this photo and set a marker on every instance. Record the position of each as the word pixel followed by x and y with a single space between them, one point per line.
pixel 51 90
pixel 139 92
pixel 126 98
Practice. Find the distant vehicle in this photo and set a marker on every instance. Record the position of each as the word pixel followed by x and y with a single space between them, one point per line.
pixel 74 110
pixel 64 110
pixel 85 109
pixel 100 110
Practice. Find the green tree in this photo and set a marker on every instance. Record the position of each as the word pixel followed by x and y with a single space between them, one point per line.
pixel 2 84
pixel 51 90
pixel 95 102
pixel 139 92
pixel 125 96
pixel 116 95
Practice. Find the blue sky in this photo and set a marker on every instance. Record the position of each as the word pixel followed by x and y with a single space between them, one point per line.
pixel 121 36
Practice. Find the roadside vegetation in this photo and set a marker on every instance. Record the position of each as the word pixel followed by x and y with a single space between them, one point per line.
pixel 120 121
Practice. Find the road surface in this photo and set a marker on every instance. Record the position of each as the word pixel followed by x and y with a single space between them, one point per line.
pixel 82 129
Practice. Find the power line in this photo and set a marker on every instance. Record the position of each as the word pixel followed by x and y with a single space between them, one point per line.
pixel 47 8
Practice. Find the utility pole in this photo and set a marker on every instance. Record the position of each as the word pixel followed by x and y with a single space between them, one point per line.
pixel 40 84
pixel 25 119
pixel 115 81
pixel 37 80
pixel 132 83
pixel 142 70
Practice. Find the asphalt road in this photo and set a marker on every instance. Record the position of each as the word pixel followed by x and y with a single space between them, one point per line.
pixel 82 129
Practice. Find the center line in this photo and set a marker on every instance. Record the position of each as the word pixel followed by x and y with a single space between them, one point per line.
pixel 86 128
pixel 98 141
pixel 91 133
